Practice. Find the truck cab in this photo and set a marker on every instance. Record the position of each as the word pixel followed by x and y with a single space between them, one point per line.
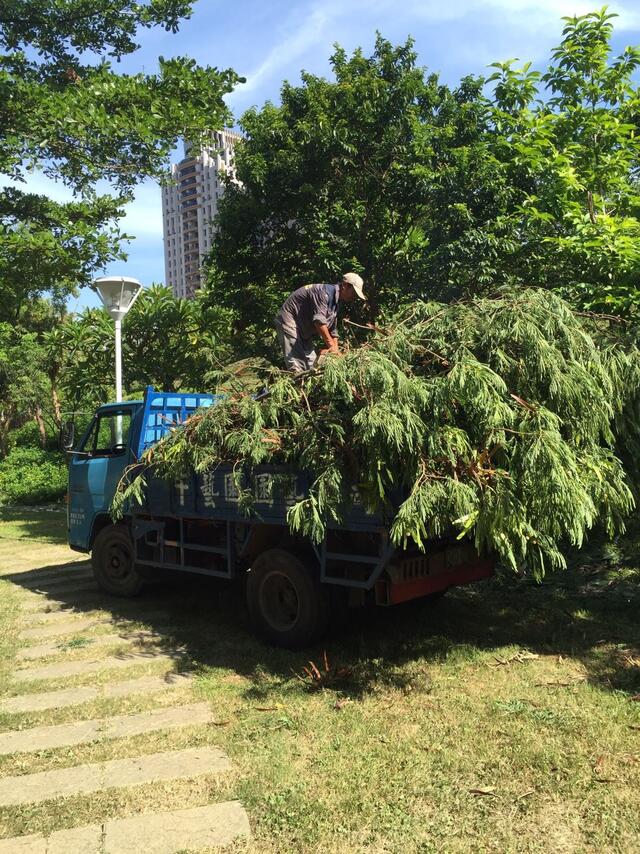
pixel 117 437
pixel 95 467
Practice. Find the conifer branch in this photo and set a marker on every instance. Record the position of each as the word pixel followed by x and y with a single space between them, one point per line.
pixel 514 444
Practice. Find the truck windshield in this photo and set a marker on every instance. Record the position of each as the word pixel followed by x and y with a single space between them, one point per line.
pixel 109 433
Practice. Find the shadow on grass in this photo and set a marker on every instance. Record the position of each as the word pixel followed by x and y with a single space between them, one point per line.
pixel 44 524
pixel 575 615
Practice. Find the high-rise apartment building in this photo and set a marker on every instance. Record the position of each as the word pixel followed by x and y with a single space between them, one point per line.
pixel 189 205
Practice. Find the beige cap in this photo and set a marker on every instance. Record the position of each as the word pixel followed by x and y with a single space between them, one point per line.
pixel 356 283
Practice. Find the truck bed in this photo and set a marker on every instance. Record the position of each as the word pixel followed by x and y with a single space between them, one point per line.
pixel 215 495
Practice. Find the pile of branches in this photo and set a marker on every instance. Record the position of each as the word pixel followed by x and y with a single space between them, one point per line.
pixel 495 418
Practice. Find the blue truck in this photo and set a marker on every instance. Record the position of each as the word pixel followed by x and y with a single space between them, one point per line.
pixel 197 525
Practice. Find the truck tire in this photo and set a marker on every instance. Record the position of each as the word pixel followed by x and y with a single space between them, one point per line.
pixel 287 604
pixel 113 563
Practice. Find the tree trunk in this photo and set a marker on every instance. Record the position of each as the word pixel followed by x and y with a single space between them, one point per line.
pixel 5 426
pixel 57 412
pixel 42 430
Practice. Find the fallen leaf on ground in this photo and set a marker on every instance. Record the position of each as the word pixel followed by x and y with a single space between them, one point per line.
pixel 560 683
pixel 519 657
pixel 598 765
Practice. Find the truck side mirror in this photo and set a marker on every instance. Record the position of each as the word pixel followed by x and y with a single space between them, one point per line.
pixel 67 436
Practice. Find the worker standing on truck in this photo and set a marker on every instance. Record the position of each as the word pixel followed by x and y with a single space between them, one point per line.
pixel 313 310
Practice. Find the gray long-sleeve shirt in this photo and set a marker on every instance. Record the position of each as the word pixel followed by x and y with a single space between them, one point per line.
pixel 307 306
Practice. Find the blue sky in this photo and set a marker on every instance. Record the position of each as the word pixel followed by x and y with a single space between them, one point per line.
pixel 270 42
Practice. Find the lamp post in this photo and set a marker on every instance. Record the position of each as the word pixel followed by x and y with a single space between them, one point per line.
pixel 118 294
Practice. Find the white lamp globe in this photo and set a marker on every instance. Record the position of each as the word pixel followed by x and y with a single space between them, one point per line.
pixel 118 293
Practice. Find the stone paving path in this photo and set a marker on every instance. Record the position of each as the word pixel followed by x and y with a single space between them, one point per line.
pixel 117 773
pixel 65 623
pixel 63 646
pixel 153 833
pixel 64 590
pixel 75 696
pixel 84 732
pixel 65 669
pixel 58 583
pixel 60 644
pixel 37 603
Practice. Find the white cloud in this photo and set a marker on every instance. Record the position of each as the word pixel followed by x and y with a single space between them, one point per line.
pixel 306 28
pixel 523 13
pixel 295 41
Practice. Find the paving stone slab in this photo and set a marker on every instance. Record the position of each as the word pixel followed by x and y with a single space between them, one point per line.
pixel 60 647
pixel 63 782
pixel 116 773
pixel 211 826
pixel 80 585
pixel 77 840
pixel 169 765
pixel 31 599
pixel 83 587
pixel 165 833
pixel 56 581
pixel 65 669
pixel 76 696
pixel 121 726
pixel 146 685
pixel 70 616
pixel 29 585
pixel 94 612
pixel 35 844
pixel 90 599
pixel 66 569
pixel 65 627
pixel 61 623
pixel 42 603
pixel 49 700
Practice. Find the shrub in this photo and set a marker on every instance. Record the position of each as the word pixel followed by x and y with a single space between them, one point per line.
pixel 28 436
pixel 31 476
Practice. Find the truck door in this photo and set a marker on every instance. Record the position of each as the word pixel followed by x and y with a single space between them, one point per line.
pixel 94 471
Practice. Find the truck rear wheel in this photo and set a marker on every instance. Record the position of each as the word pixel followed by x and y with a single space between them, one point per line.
pixel 287 604
pixel 113 563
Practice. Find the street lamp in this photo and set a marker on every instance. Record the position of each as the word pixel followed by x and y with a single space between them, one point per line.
pixel 118 294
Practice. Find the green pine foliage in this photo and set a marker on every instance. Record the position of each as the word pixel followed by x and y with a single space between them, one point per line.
pixel 492 418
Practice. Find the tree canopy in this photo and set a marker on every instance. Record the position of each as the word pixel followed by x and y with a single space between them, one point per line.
pixel 521 178
pixel 65 110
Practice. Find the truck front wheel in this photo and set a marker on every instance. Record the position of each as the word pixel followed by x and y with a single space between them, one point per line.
pixel 287 604
pixel 113 562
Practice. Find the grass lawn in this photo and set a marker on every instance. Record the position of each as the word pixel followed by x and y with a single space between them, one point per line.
pixel 47 525
pixel 504 718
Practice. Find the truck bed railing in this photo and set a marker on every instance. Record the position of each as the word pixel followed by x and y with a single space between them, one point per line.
pixel 163 411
